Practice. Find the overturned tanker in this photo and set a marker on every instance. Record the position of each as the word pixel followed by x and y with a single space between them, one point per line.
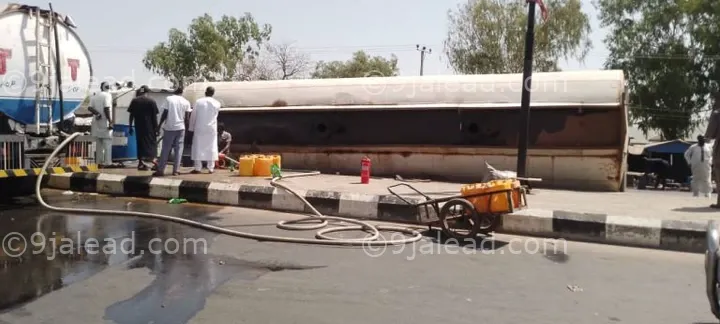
pixel 440 127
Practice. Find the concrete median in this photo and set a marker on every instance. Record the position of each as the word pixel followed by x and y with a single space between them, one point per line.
pixel 679 235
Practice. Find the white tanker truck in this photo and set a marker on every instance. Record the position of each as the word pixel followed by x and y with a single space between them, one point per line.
pixel 45 74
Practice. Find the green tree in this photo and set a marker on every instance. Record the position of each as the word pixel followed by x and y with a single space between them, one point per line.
pixel 360 65
pixel 656 43
pixel 488 36
pixel 210 50
pixel 278 62
pixel 705 28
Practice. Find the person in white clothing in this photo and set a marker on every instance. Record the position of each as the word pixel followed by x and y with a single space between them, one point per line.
pixel 203 124
pixel 175 111
pixel 699 157
pixel 101 129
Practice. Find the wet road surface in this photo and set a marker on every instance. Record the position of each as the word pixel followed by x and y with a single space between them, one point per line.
pixel 506 280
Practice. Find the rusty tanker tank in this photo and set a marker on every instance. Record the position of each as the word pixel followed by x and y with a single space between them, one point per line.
pixel 439 127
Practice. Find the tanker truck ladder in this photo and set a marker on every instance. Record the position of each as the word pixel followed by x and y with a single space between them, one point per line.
pixel 43 69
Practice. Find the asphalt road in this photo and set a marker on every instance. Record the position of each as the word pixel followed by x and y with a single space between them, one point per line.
pixel 506 280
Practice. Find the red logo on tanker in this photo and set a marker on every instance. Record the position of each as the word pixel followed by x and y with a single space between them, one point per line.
pixel 5 54
pixel 74 64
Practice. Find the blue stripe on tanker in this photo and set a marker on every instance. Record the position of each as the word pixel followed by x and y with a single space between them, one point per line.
pixel 23 109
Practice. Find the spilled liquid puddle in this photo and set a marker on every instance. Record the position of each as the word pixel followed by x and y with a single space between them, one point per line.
pixel 179 290
pixel 182 282
pixel 33 274
pixel 38 271
pixel 182 285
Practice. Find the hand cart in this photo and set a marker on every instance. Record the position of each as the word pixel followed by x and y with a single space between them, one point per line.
pixel 458 217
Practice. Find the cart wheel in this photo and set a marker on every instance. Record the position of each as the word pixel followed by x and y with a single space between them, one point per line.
pixel 459 219
pixel 489 222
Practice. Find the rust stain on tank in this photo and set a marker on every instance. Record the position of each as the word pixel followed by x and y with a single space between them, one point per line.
pixel 386 160
pixel 562 128
pixel 582 129
pixel 596 134
pixel 406 152
pixel 279 103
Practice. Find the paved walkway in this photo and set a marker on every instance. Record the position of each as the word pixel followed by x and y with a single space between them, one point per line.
pixel 636 203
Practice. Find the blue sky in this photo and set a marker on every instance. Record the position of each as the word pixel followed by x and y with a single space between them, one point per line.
pixel 118 33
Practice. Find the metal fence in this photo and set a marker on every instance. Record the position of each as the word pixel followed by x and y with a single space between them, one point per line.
pixel 14 153
pixel 81 152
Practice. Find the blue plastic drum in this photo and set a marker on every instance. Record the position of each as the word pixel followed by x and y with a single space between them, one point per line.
pixel 124 144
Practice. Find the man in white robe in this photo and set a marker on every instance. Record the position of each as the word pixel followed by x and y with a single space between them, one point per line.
pixel 699 158
pixel 203 124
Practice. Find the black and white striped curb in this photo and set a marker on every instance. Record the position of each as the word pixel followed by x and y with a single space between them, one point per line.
pixel 676 235
pixel 600 228
pixel 353 205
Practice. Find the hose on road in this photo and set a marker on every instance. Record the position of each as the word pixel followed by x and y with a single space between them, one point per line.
pixel 320 221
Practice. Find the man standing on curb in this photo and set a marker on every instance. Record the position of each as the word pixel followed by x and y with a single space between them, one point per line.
pixel 699 158
pixel 175 111
pixel 203 124
pixel 713 133
pixel 101 105
pixel 143 114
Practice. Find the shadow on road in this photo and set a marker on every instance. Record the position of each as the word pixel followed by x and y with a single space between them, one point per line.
pixel 483 243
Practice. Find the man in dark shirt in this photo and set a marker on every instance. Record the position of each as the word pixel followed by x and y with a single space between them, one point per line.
pixel 144 112
pixel 660 168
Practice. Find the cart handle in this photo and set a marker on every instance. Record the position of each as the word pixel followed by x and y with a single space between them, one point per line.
pixel 390 189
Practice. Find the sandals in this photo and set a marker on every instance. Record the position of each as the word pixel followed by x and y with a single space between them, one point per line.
pixel 144 167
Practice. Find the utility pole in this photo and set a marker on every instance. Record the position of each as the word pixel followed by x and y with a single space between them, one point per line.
pixel 423 50
pixel 524 126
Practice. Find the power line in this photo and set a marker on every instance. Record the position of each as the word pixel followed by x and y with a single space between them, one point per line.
pixel 325 49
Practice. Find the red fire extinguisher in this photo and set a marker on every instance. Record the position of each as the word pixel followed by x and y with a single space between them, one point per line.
pixel 365 170
pixel 220 163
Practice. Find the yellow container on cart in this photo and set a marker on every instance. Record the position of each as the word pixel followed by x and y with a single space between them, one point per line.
pixel 493 203
pixel 262 166
pixel 246 166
